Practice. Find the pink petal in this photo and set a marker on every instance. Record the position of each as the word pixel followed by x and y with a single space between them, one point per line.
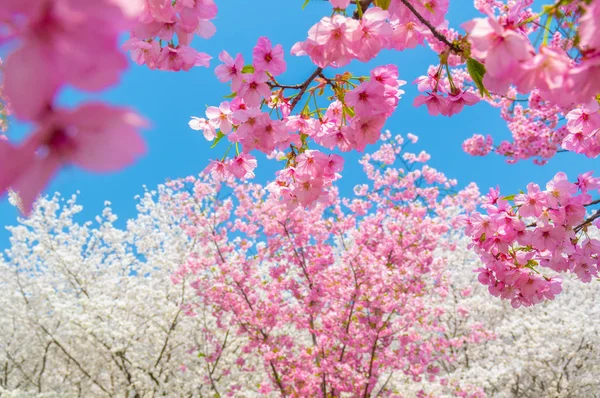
pixel 107 139
pixel 27 67
pixel 34 179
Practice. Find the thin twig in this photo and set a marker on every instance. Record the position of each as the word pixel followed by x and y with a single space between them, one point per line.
pixel 587 221
pixel 278 85
pixel 456 49
pixel 595 202
pixel 363 4
pixel 304 86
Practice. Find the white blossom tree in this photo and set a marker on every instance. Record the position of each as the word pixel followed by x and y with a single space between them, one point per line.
pixel 92 310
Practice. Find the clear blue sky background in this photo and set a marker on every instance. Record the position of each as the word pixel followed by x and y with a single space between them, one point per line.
pixel 168 99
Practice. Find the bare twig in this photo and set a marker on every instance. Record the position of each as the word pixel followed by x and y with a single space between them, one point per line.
pixel 304 86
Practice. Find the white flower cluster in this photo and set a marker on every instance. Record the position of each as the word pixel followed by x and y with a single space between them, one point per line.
pixel 90 310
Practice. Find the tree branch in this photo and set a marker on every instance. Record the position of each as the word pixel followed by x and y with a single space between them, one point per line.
pixel 363 4
pixel 587 221
pixel 304 87
pixel 456 49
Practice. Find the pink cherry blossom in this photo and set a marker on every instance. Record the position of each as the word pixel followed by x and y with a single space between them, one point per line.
pixel 367 99
pixel 533 202
pixel 340 3
pixel 254 88
pixel 407 35
pixel 230 69
pixel 436 104
pixel 363 131
pixel 94 137
pixel 372 33
pixel 329 41
pixel 242 166
pixel 547 71
pixel 220 117
pixel 181 58
pixel 502 49
pixel 201 124
pixel 218 169
pixel 588 27
pixel 267 58
pixel 84 52
pixel 457 101
pixel 478 145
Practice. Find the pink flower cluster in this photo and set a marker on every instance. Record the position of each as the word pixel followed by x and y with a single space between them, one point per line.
pixel 352 120
pixel 509 57
pixel 60 42
pixel 241 167
pixel 583 124
pixel 478 145
pixel 445 94
pixel 161 38
pixel 328 301
pixel 558 77
pixel 544 228
pixel 309 180
pixel 337 40
pixel 535 128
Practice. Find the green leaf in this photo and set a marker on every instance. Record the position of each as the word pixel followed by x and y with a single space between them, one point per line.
pixel 509 197
pixel 201 355
pixel 232 95
pixel 383 4
pixel 248 69
pixel 349 111
pixel 220 135
pixel 305 4
pixel 477 70
pixel 531 264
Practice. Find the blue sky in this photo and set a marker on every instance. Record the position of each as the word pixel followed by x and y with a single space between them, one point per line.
pixel 168 100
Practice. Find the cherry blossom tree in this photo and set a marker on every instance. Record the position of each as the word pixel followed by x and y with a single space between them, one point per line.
pixel 343 299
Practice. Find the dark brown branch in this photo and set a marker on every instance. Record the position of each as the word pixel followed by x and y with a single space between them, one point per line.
pixel 291 87
pixel 171 328
pixel 587 221
pixel 86 374
pixel 277 379
pixel 373 348
pixel 44 360
pixel 456 49
pixel 328 81
pixel 363 4
pixel 384 384
pixel 211 372
pixel 304 87
pixel 595 202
